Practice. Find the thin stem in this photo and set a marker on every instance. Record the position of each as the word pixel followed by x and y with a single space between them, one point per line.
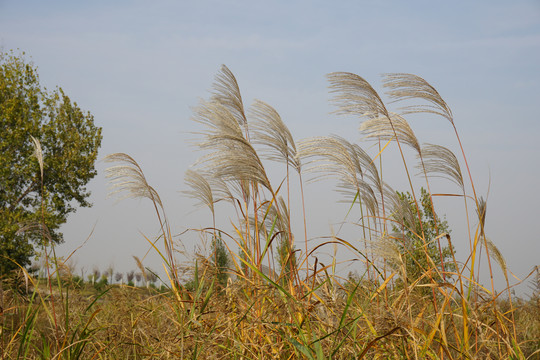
pixel 476 201
pixel 434 215
pixel 408 177
pixel 305 222
pixel 257 235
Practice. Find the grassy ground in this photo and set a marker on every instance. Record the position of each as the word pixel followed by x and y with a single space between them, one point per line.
pixel 248 321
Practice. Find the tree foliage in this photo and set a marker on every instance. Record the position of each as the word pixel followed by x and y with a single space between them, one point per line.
pixel 220 259
pixel 417 249
pixel 70 143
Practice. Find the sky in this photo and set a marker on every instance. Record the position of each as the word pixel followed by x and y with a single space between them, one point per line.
pixel 141 67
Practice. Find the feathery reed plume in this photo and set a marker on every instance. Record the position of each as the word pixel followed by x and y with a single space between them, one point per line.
pixel 210 190
pixel 231 190
pixel 386 248
pixel 129 179
pixel 218 119
pixel 394 127
pixel 269 130
pixel 200 189
pixel 227 93
pixel 335 157
pixel 481 212
pixel 400 209
pixel 44 230
pixel 354 95
pixel 38 153
pixel 389 196
pixel 364 191
pixel 327 154
pixel 233 157
pixel 276 218
pixel 364 163
pixel 409 86
pixel 385 129
pixel 440 161
pixel 496 254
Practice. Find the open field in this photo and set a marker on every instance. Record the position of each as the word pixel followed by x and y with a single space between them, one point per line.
pixel 247 321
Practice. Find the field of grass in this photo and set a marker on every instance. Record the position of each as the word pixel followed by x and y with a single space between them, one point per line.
pixel 263 293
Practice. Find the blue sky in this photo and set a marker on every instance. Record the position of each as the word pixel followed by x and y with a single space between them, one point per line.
pixel 140 67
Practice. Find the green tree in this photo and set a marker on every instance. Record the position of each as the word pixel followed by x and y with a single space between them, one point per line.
pixel 408 235
pixel 220 259
pixel 70 143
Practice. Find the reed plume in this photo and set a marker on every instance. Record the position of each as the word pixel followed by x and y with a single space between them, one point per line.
pixel 386 129
pixel 128 179
pixel 233 158
pixel 200 189
pixel 354 95
pixel 227 92
pixel 440 161
pixel 335 157
pixel 409 86
pixel 268 129
pixel 38 153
